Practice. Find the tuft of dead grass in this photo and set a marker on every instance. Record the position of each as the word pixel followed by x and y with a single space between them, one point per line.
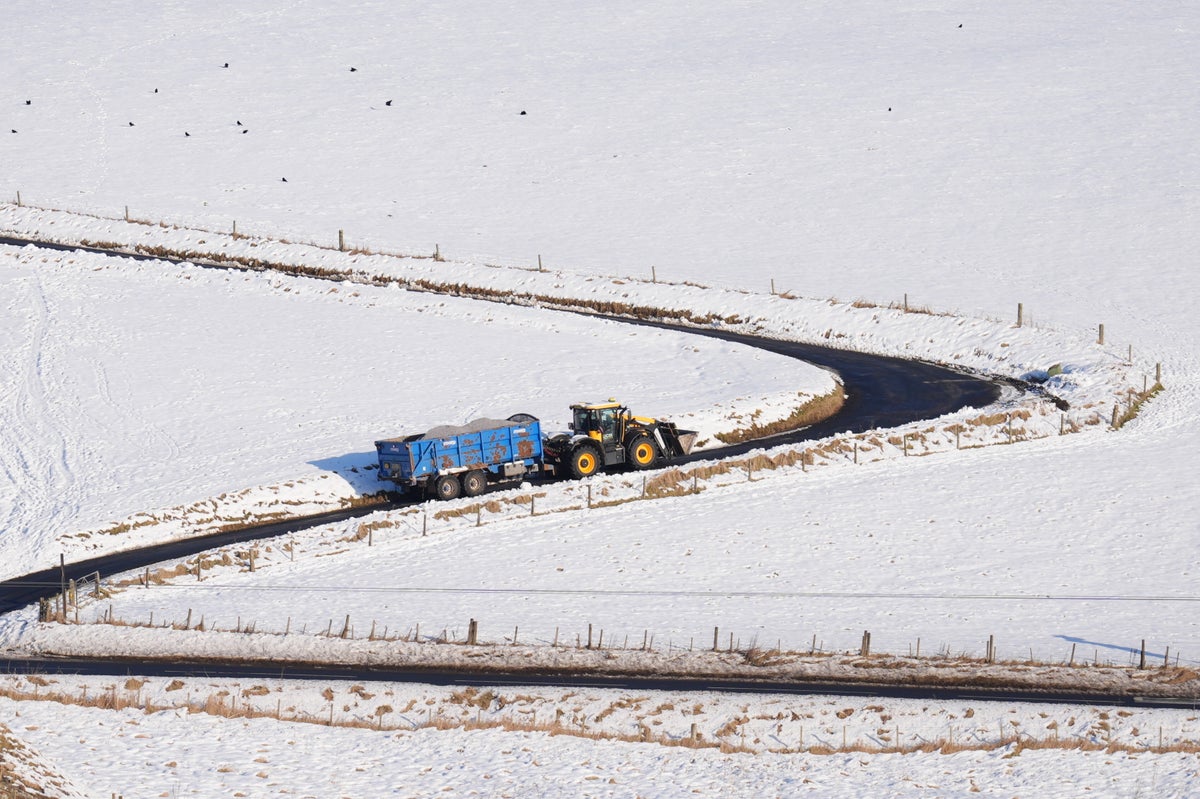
pixel 811 412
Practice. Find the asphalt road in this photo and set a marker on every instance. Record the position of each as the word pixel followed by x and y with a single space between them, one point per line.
pixel 882 392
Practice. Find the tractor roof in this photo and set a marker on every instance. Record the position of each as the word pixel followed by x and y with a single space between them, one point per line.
pixel 595 406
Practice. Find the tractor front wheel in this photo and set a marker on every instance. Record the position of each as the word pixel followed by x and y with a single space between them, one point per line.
pixel 643 452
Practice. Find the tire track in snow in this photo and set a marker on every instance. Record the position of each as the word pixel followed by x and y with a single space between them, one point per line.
pixel 36 450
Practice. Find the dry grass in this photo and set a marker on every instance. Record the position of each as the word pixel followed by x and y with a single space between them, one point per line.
pixel 1134 400
pixel 16 781
pixel 814 410
pixel 891 741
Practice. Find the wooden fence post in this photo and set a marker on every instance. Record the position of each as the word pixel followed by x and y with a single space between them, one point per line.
pixel 472 632
pixel 865 649
pixel 1100 341
pixel 1020 314
pixel 342 240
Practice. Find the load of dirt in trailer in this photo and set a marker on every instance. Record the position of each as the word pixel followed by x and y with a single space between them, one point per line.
pixel 473 426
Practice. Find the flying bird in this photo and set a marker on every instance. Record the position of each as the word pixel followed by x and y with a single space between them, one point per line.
pixel 522 113
pixel 354 69
pixel 239 124
pixel 389 102
pixel 156 91
pixel 29 102
pixel 226 65
pixel 245 130
pixel 14 130
pixel 284 180
pixel 131 124
pixel 185 133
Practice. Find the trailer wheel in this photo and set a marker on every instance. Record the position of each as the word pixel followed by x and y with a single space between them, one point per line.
pixel 643 452
pixel 447 487
pixel 584 461
pixel 474 483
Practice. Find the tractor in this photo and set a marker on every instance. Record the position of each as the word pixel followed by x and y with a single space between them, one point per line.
pixel 607 434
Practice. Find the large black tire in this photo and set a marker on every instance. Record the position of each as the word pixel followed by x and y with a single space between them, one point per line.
pixel 447 487
pixel 643 452
pixel 474 483
pixel 584 461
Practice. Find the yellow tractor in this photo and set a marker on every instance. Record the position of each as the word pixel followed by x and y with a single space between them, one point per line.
pixel 606 434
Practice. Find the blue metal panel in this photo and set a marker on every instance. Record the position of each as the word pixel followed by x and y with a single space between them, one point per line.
pixel 415 460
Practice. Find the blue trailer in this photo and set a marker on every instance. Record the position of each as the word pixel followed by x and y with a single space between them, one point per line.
pixel 448 462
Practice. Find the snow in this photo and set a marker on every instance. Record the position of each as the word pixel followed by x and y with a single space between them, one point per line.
pixel 875 152
pixel 208 737
pixel 134 387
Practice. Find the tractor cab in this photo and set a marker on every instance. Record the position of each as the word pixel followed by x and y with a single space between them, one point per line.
pixel 603 422
pixel 606 434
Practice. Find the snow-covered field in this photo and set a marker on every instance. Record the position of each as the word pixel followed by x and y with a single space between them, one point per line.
pixel 1036 155
pixel 211 737
pixel 135 387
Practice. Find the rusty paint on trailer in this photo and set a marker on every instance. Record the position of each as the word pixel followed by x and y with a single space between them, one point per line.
pixel 525 448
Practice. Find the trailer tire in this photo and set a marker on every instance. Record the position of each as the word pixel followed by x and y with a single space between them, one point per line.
pixel 447 487
pixel 584 461
pixel 643 452
pixel 474 483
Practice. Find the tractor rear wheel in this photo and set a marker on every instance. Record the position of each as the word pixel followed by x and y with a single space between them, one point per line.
pixel 643 452
pixel 584 461
pixel 474 483
pixel 447 487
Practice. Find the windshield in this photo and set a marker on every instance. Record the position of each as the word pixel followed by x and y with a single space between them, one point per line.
pixel 585 420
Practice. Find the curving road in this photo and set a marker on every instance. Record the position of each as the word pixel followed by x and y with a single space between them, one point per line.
pixel 881 392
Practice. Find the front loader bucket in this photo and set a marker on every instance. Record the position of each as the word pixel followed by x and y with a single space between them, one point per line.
pixel 678 442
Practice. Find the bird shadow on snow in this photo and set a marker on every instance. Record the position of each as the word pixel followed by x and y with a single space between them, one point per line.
pixel 359 469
